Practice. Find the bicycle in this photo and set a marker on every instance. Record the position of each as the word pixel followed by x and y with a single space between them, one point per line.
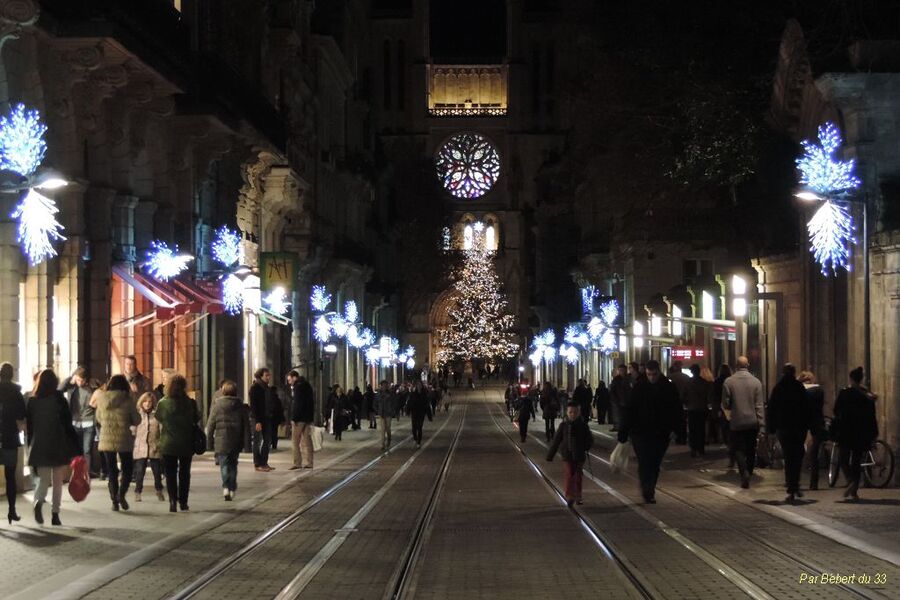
pixel 877 464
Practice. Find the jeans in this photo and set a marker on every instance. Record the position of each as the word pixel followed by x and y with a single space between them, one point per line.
pixel 793 451
pixel 418 421
pixel 851 465
pixel 273 435
pixel 742 443
pixel 301 441
pixel 261 444
pixel 574 477
pixel 44 476
pixel 178 477
pixel 228 465
pixel 815 449
pixel 87 442
pixel 117 488
pixel 697 430
pixel 385 432
pixel 140 469
pixel 650 450
pixel 10 457
pixel 549 428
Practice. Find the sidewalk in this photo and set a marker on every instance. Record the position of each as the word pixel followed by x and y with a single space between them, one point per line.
pixel 96 545
pixel 870 525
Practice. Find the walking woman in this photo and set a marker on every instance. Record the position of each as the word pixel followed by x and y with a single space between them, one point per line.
pixel 52 442
pixel 228 434
pixel 524 413
pixel 854 428
pixel 12 421
pixel 341 411
pixel 419 407
pixel 721 417
pixel 369 406
pixel 118 416
pixel 549 410
pixel 178 416
pixel 146 447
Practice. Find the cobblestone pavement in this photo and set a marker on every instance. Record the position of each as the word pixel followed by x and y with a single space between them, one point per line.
pixel 497 529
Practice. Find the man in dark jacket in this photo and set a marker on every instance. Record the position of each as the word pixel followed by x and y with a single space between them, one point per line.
pixel 260 405
pixel 788 415
pixel 583 397
pixel 601 402
pixel 619 392
pixel 855 428
pixel 12 422
pixel 78 394
pixel 302 416
pixel 573 439
pixel 652 415
pixel 385 409
pixel 418 407
pixel 815 398
pixel 698 392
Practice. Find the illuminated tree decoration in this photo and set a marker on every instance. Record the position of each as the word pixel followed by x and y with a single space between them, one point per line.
pixel 576 334
pixel 360 339
pixel 232 294
pixel 480 325
pixel 351 312
pixel 547 338
pixel 38 227
pixel 830 236
pixel 587 299
pixel 22 145
pixel 339 325
pixel 820 170
pixel 276 301
pixel 227 247
pixel 608 341
pixel 320 298
pixel 595 328
pixel 322 329
pixel 164 263
pixel 569 353
pixel 609 312
pixel 468 165
pixel 373 355
pixel 536 357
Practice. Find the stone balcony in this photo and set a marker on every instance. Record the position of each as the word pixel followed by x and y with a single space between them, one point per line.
pixel 467 90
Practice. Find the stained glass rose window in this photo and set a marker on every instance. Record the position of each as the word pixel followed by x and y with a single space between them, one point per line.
pixel 468 165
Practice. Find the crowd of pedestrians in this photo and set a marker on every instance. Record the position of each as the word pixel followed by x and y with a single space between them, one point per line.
pixel 125 426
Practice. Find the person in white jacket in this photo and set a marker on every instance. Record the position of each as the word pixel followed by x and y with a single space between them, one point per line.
pixel 742 401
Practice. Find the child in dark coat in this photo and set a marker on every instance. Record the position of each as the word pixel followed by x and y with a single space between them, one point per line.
pixel 573 440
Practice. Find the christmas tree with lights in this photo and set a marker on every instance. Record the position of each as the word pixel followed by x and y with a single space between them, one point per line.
pixel 480 326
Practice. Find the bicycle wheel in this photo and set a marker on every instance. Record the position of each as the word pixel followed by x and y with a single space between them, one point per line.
pixel 879 473
pixel 834 465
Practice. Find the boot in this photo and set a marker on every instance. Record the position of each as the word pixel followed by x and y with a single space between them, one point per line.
pixel 173 507
pixel 54 519
pixel 39 513
pixel 160 496
pixel 137 496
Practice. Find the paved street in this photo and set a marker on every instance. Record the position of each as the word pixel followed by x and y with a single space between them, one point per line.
pixel 467 516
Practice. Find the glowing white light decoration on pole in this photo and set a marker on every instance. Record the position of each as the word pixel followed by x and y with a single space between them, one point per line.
pixel 587 299
pixel 164 263
pixel 575 334
pixel 322 329
pixel 320 298
pixel 830 236
pixel 232 294
pixel 22 145
pixel 609 312
pixel 227 247
pixel 276 301
pixel 351 312
pixel 339 325
pixel 373 355
pixel 820 171
pixel 38 227
pixel 569 353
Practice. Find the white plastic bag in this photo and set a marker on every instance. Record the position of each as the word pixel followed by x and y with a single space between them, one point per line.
pixel 318 438
pixel 618 460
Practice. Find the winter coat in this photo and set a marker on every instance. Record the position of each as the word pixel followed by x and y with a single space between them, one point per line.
pixel 418 405
pixel 259 393
pixel 582 396
pixel 573 440
pixel 116 414
pixel 815 399
pixel 78 399
pixel 524 410
pixel 620 391
pixel 146 438
pixel 368 402
pixel 12 410
pixel 855 425
pixel 653 409
pixel 141 384
pixel 788 411
pixel 601 398
pixel 228 427
pixel 742 394
pixel 274 407
pixel 681 382
pixel 52 441
pixel 386 404
pixel 697 394
pixel 549 405
pixel 303 402
pixel 177 418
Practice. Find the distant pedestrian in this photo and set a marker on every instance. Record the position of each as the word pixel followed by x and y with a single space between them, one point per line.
pixel 855 429
pixel 549 410
pixel 386 409
pixel 652 416
pixel 742 401
pixel 356 406
pixel 601 402
pixel 228 434
pixel 619 392
pixel 788 416
pixel 78 391
pixel 146 448
pixel 698 393
pixel 260 401
pixel 52 442
pixel 342 412
pixel 815 399
pixel 118 416
pixel 524 414
pixel 274 415
pixel 303 416
pixel 178 417
pixel 574 440
pixel 583 397
pixel 722 422
pixel 682 382
pixel 510 396
pixel 369 406
pixel 12 421
pixel 419 408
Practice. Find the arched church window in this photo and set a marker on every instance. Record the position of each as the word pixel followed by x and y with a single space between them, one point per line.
pixel 468 165
pixel 468 236
pixel 490 238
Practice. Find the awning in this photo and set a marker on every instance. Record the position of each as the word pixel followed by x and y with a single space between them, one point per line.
pixel 172 300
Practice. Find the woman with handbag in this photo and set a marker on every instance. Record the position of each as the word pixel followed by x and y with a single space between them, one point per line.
pixel 52 442
pixel 179 419
pixel 228 433
pixel 118 416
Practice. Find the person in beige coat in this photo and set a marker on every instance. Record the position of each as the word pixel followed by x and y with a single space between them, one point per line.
pixel 146 447
pixel 118 417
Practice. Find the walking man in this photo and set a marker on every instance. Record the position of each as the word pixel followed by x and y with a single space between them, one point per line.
pixel 742 401
pixel 259 411
pixel 78 393
pixel 302 417
pixel 788 416
pixel 652 415
pixel 573 439
pixel 385 409
pixel 619 391
pixel 137 381
pixel 855 429
pixel 583 397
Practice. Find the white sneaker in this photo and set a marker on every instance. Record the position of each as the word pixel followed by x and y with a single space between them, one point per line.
pixel 226 494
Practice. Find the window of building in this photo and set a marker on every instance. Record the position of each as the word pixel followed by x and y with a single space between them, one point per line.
pixel 490 238
pixel 468 236
pixel 696 270
pixel 468 165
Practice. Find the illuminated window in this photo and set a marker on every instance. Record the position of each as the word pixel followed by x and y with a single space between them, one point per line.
pixel 468 165
pixel 177 5
pixel 490 238
pixel 468 235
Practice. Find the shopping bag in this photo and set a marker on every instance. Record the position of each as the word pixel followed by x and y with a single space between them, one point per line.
pixel 80 482
pixel 318 438
pixel 618 460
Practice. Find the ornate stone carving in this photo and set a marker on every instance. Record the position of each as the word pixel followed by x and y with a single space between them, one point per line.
pixel 14 16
